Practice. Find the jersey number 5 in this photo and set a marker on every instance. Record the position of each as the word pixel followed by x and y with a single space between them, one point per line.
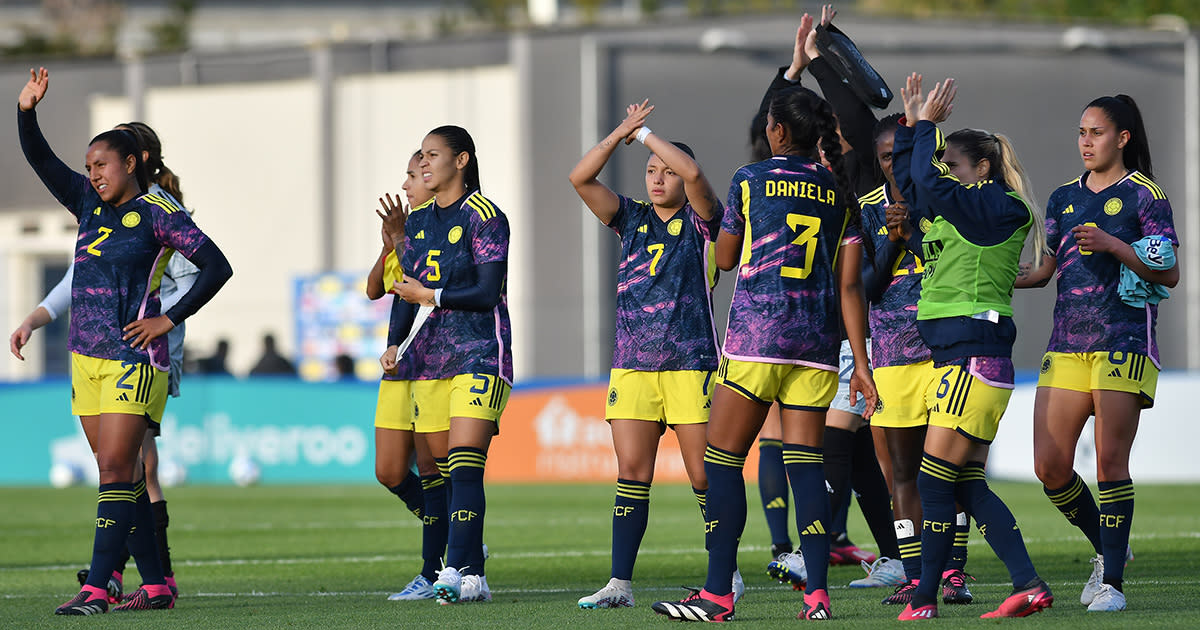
pixel 808 227
pixel 431 261
pixel 104 233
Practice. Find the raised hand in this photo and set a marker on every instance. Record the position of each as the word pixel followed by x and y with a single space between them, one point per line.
pixel 394 216
pixel 800 55
pixel 635 117
pixel 911 93
pixel 939 103
pixel 35 90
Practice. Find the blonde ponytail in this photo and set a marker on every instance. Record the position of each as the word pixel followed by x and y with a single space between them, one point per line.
pixel 1014 175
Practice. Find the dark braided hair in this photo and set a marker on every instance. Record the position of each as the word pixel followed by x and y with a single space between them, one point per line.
pixel 811 122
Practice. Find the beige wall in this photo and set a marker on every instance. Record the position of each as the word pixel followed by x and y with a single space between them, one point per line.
pixel 247 156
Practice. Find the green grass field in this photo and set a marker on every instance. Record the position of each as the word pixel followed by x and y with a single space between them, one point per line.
pixel 327 557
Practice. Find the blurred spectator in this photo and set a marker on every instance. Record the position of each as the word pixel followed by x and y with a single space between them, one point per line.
pixel 215 364
pixel 345 367
pixel 271 361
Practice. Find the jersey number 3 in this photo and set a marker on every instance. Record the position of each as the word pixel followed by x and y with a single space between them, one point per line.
pixel 808 227
pixel 104 233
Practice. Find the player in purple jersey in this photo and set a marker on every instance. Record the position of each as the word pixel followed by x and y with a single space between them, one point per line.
pixel 976 192
pixel 458 344
pixel 784 222
pixel 666 344
pixel 395 440
pixel 1102 358
pixel 117 332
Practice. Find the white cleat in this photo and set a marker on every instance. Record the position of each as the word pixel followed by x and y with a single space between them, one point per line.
pixel 883 572
pixel 739 586
pixel 789 568
pixel 448 587
pixel 1095 581
pixel 475 589
pixel 615 594
pixel 419 588
pixel 1107 599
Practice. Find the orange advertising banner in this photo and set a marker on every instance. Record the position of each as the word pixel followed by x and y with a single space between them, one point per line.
pixel 559 434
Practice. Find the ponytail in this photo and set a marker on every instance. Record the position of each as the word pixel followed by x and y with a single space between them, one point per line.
pixel 1125 115
pixel 158 172
pixel 125 143
pixel 1013 174
pixel 459 141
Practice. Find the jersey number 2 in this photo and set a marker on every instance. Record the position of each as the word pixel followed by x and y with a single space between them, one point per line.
pixel 104 234
pixel 808 227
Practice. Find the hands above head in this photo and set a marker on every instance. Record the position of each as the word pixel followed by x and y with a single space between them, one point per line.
pixel 635 119
pixel 810 42
pixel 911 94
pixel 35 90
pixel 394 215
pixel 800 55
pixel 939 104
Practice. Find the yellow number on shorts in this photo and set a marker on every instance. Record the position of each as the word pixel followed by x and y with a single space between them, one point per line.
pixel 104 233
pixel 657 250
pixel 432 263
pixel 807 238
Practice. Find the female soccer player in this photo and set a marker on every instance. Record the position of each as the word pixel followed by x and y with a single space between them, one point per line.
pixel 666 343
pixel 176 281
pixel 783 339
pixel 976 194
pixel 395 440
pixel 1109 231
pixel 119 355
pixel 455 262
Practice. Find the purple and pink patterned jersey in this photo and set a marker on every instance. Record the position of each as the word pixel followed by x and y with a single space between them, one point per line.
pixel 1089 315
pixel 785 301
pixel 893 319
pixel 664 289
pixel 443 247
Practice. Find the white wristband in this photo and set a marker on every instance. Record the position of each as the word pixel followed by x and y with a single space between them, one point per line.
pixel 437 297
pixel 642 133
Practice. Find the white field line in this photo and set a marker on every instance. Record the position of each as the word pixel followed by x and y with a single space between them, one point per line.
pixel 525 555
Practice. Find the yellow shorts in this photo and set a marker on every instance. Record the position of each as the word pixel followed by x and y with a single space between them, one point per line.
pixel 670 397
pixel 107 386
pixel 1087 371
pixel 901 396
pixel 794 386
pixel 481 396
pixel 961 401
pixel 394 408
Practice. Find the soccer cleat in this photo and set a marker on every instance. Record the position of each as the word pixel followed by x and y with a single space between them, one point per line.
pixel 883 572
pixel 1094 582
pixel 1024 602
pixel 419 588
pixel 448 586
pixel 789 569
pixel 698 606
pixel 1108 599
pixel 903 593
pixel 170 580
pixel 475 589
pixel 846 552
pixel 88 601
pixel 615 594
pixel 738 586
pixel 778 549
pixel 954 587
pixel 816 606
pixel 115 588
pixel 921 612
pixel 148 597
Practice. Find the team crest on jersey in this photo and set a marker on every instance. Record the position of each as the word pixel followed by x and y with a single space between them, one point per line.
pixel 131 219
pixel 612 396
pixel 455 234
pixel 675 227
pixel 925 224
pixel 1112 206
pixel 1046 364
